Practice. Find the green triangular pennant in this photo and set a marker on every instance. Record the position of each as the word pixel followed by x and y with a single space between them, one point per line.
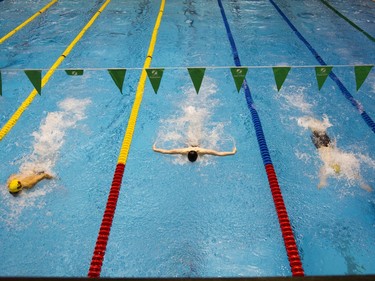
pixel 238 74
pixel 280 73
pixel 74 72
pixel 35 77
pixel 1 86
pixel 155 75
pixel 196 75
pixel 118 76
pixel 361 73
pixel 322 73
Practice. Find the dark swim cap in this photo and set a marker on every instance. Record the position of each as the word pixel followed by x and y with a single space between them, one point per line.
pixel 192 155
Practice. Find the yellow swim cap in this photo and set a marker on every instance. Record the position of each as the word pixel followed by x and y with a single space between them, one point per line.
pixel 15 186
pixel 336 168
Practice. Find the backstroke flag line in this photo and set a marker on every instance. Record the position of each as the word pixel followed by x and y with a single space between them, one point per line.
pixel 361 73
pixel 118 76
pixel 155 75
pixel 74 72
pixel 322 73
pixel 196 75
pixel 238 74
pixel 280 73
pixel 35 77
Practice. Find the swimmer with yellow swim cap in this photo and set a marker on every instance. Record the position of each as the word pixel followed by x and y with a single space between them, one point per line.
pixel 331 156
pixel 17 182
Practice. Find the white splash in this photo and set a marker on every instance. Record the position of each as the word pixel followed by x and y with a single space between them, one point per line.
pixel 192 124
pixel 51 135
pixel 313 124
pixel 337 163
pixel 296 99
pixel 48 141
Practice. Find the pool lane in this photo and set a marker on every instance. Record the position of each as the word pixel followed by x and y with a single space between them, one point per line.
pixel 105 228
pixel 28 46
pixel 360 108
pixel 285 225
pixel 297 161
pixel 17 13
pixel 26 22
pixel 210 218
pixel 69 233
pixel 17 114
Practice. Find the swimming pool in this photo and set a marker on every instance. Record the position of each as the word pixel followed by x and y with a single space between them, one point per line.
pixel 214 217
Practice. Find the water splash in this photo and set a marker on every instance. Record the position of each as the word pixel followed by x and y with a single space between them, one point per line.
pixel 349 163
pixel 192 125
pixel 51 135
pixel 48 141
pixel 296 99
pixel 309 122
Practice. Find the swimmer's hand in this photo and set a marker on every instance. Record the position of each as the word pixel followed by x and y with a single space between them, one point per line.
pixel 48 176
pixel 234 150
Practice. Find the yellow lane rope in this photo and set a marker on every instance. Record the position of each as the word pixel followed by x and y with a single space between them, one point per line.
pixel 26 22
pixel 13 120
pixel 139 93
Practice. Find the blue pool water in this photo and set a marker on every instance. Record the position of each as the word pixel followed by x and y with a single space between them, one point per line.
pixel 215 217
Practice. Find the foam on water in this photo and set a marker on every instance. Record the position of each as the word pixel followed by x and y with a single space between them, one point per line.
pixel 349 162
pixel 46 146
pixel 296 99
pixel 192 124
pixel 309 122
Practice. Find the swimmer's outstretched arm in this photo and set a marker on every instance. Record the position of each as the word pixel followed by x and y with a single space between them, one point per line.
pixel 363 185
pixel 30 181
pixel 170 151
pixel 322 177
pixel 216 153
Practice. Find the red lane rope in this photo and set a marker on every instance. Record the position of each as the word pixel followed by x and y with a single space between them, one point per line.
pixel 286 229
pixel 105 228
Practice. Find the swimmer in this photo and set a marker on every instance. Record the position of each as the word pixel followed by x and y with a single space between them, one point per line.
pixel 336 162
pixel 193 152
pixel 17 182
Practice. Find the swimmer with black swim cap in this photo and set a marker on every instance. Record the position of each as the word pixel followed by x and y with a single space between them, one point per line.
pixel 193 152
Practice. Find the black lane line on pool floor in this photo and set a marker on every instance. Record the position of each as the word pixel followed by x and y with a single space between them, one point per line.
pixel 333 76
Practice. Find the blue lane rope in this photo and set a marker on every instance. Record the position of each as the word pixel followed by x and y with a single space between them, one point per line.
pixel 285 226
pixel 333 76
pixel 250 102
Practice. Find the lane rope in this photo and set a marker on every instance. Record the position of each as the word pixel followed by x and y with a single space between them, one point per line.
pixel 368 120
pixel 13 120
pixel 105 228
pixel 26 22
pixel 282 214
pixel 348 20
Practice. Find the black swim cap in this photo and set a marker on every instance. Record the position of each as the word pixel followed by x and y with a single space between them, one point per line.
pixel 320 139
pixel 192 155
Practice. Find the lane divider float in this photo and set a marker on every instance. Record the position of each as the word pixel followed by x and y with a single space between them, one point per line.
pixel 26 22
pixel 368 120
pixel 282 214
pixel 105 228
pixel 13 120
pixel 348 20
